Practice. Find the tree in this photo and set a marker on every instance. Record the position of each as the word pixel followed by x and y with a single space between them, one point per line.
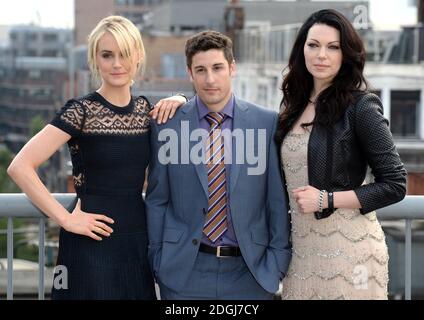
pixel 37 123
pixel 6 184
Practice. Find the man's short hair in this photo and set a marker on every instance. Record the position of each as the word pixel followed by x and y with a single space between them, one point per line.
pixel 207 40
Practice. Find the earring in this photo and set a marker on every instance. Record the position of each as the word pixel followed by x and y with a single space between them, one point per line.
pixel 132 82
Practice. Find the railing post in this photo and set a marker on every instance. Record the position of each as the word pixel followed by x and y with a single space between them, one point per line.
pixel 41 258
pixel 10 258
pixel 408 253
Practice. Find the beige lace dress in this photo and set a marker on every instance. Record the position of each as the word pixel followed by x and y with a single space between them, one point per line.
pixel 343 256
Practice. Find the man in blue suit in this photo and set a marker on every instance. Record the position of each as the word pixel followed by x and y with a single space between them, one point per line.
pixel 216 207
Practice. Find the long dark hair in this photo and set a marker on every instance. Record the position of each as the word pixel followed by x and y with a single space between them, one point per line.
pixel 298 82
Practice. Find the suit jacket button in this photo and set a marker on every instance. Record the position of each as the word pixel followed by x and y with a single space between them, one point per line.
pixel 194 242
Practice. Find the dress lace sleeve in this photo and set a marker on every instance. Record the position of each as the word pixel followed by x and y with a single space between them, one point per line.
pixel 70 118
pixel 145 103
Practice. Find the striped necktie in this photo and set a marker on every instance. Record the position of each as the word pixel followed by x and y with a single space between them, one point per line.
pixel 216 218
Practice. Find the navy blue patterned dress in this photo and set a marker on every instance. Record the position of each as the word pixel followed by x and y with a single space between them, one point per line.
pixel 110 152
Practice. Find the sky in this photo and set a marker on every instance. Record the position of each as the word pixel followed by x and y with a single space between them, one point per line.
pixel 385 14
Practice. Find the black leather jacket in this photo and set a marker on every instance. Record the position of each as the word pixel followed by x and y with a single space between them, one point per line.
pixel 338 157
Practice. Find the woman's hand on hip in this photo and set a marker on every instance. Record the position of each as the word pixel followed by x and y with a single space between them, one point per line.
pixel 88 224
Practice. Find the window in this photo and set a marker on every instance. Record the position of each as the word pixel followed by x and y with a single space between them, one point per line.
pixel 30 36
pixel 262 94
pixel 50 53
pixel 143 2
pixel 243 90
pixel 173 65
pixel 405 113
pixel 34 74
pixel 50 37
pixel 31 53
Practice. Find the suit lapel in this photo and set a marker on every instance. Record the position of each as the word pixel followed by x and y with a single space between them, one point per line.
pixel 191 115
pixel 239 122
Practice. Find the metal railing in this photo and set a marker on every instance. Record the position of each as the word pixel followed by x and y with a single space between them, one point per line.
pixel 18 206
pixel 269 45
pixel 15 205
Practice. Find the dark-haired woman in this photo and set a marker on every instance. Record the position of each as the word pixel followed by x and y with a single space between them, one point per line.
pixel 330 130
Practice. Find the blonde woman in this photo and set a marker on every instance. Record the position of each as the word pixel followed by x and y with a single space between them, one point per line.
pixel 103 243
